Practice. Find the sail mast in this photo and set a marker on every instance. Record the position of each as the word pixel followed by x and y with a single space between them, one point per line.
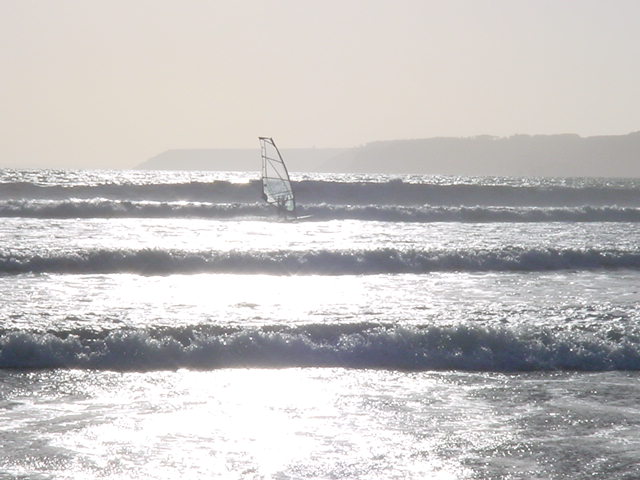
pixel 276 184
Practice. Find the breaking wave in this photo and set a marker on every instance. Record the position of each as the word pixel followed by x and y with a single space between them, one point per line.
pixel 365 346
pixel 319 262
pixel 392 192
pixel 105 208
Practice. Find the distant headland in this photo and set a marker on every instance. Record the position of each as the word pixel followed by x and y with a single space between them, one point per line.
pixel 517 155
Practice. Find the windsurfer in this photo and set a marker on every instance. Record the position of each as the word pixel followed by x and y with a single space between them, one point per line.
pixel 281 205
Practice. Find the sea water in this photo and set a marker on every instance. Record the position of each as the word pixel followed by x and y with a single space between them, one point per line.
pixel 166 325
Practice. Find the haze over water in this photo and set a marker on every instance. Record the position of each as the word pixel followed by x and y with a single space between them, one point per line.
pixel 109 84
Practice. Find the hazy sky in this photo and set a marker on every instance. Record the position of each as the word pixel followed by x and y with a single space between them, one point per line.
pixel 92 83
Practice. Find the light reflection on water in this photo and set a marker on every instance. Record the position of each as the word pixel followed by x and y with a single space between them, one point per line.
pixel 113 301
pixel 293 423
pixel 26 236
pixel 317 424
pixel 141 177
pixel 312 423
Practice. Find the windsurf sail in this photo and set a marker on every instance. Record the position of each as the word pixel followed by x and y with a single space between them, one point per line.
pixel 276 185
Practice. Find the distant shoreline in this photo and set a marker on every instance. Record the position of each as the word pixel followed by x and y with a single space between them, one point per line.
pixel 518 155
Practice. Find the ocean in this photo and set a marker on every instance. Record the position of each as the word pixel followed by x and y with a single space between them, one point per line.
pixel 165 325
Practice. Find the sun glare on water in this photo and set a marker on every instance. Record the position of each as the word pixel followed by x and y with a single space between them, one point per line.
pixel 255 423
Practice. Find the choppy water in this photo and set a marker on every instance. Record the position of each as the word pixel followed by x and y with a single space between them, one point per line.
pixel 166 324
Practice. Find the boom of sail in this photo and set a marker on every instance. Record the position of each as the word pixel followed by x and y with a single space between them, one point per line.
pixel 276 185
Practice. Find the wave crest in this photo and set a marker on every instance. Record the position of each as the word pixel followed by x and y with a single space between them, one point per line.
pixel 106 208
pixel 351 346
pixel 319 262
pixel 391 192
